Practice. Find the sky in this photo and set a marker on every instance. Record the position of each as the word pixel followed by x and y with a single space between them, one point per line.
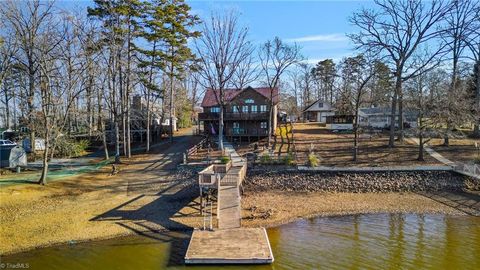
pixel 317 26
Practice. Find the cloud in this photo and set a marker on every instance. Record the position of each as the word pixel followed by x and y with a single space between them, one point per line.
pixel 324 38
pixel 336 58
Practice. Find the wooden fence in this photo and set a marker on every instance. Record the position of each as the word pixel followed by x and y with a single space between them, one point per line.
pixel 194 149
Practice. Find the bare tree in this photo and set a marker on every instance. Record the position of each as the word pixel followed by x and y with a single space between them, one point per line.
pixel 247 72
pixel 275 57
pixel 473 43
pixel 396 30
pixel 28 21
pixel 8 50
pixel 459 29
pixel 222 48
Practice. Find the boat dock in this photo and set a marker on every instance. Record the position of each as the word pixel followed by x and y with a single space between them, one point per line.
pixel 229 243
pixel 229 246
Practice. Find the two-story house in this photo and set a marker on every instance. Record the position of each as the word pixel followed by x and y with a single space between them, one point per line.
pixel 318 111
pixel 246 112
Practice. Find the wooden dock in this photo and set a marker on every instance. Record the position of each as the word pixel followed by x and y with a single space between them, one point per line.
pixel 229 210
pixel 232 246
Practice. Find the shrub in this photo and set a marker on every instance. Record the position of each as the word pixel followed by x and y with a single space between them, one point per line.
pixel 224 159
pixel 312 160
pixel 288 159
pixel 70 148
pixel 265 159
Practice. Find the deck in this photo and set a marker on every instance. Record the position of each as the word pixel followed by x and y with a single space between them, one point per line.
pixel 233 246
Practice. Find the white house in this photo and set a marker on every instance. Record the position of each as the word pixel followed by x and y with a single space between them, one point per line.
pixel 318 111
pixel 380 117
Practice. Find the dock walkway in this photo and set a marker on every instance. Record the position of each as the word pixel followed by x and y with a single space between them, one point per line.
pixel 229 244
pixel 229 207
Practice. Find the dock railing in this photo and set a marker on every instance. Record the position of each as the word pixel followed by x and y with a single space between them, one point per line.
pixel 207 176
pixel 234 176
pixel 472 170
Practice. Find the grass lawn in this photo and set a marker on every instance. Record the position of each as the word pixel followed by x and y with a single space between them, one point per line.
pixel 335 149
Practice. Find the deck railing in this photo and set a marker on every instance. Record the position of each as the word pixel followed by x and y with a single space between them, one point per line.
pixel 234 116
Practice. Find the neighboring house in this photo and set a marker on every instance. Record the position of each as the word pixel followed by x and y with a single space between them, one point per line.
pixel 318 111
pixel 380 117
pixel 246 112
pixel 166 122
pixel 340 122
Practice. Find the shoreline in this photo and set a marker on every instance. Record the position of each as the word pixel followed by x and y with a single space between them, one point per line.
pixel 273 208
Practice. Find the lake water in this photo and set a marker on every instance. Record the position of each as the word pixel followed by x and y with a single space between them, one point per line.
pixel 373 241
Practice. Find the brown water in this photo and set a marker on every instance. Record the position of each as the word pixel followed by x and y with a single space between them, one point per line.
pixel 374 241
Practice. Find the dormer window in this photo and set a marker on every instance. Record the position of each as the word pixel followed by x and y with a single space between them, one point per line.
pixel 249 101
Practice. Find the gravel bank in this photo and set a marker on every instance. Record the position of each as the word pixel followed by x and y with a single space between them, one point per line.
pixel 301 181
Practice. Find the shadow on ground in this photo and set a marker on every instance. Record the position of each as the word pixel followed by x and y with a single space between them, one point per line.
pixel 154 217
pixel 465 202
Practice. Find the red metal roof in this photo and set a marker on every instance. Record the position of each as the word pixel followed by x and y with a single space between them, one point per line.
pixel 210 100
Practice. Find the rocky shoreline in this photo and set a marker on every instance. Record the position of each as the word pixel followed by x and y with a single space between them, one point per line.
pixel 356 182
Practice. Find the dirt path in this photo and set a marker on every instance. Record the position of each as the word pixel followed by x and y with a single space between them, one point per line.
pixel 145 195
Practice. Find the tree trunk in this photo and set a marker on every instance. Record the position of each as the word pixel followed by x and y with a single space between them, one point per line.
pixel 31 93
pixel 400 116
pixel 171 93
pixel 270 120
pixel 7 107
pixel 220 129
pixel 420 147
pixel 171 107
pixel 43 176
pixel 398 86
pixel 117 141
pixel 147 149
pixel 355 139
pixel 104 138
pixel 127 96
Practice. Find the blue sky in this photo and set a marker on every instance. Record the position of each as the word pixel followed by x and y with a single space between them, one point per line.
pixel 319 27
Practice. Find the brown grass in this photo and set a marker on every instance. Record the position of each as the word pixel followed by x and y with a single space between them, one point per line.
pixel 462 150
pixel 334 149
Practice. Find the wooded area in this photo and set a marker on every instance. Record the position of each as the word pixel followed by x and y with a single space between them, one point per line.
pixel 68 73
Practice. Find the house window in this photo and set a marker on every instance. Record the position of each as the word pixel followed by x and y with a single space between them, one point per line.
pixel 320 105
pixel 249 101
pixel 263 124
pixel 215 109
pixel 236 125
pixel 263 108
pixel 245 108
pixel 254 108
pixel 235 109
